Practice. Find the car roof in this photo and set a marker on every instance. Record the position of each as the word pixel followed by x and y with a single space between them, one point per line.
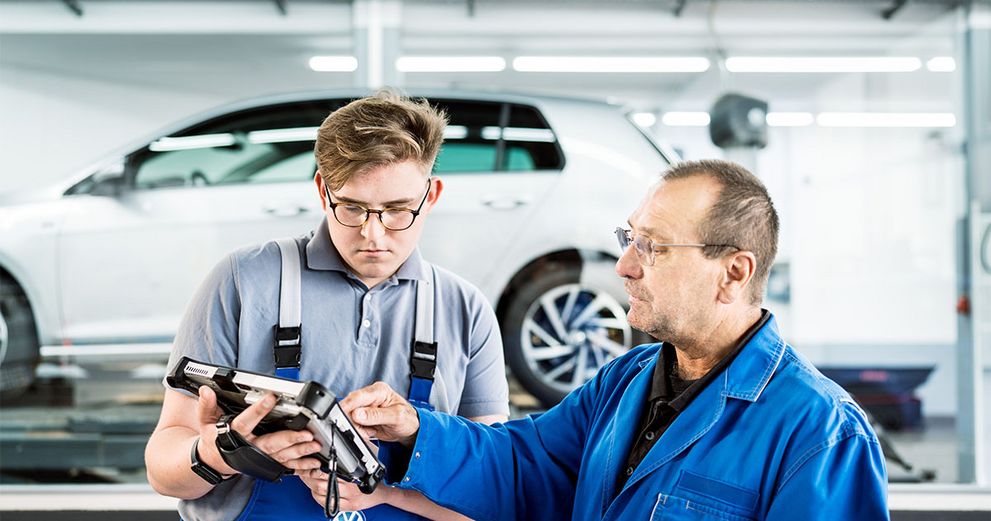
pixel 500 96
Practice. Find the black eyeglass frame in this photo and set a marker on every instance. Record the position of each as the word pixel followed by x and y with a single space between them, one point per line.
pixel 646 258
pixel 379 211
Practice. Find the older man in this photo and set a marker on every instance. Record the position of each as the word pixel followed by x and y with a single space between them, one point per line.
pixel 722 420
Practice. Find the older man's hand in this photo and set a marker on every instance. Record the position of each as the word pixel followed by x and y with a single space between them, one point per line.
pixel 382 413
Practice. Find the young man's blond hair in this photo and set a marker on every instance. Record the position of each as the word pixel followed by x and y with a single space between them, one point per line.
pixel 382 129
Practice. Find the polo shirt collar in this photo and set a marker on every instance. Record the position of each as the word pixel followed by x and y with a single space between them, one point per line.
pixel 321 254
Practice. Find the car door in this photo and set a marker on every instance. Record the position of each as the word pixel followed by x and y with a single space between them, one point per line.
pixel 130 263
pixel 498 163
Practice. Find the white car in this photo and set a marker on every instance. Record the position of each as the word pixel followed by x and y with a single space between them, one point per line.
pixel 104 263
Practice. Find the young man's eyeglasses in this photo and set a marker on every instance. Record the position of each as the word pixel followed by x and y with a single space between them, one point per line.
pixel 646 249
pixel 354 215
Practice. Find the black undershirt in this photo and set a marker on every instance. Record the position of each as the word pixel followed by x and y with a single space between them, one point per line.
pixel 669 395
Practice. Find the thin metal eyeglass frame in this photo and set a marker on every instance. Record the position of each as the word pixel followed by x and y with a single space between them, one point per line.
pixel 379 211
pixel 626 239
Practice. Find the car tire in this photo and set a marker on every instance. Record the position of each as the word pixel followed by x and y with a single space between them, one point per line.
pixel 558 333
pixel 18 341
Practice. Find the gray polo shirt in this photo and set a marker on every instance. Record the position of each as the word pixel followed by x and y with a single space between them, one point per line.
pixel 351 336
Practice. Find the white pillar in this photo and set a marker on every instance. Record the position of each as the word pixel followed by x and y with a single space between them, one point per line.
pixel 974 250
pixel 376 36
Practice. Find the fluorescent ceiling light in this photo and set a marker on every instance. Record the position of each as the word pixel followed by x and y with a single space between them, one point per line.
pixel 334 63
pixel 644 119
pixel 790 119
pixel 644 64
pixel 942 64
pixel 283 135
pixel 685 119
pixel 822 64
pixel 167 144
pixel 886 119
pixel 450 64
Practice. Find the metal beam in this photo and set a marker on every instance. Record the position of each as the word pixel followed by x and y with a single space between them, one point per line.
pixel 280 5
pixel 74 6
pixel 895 7
pixel 679 6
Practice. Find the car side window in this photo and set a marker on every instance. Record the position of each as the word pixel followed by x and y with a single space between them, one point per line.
pixel 268 144
pixel 466 148
pixel 496 137
pixel 182 162
pixel 530 142
pixel 275 144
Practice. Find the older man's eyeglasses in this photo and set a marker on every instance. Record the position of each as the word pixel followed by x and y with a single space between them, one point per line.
pixel 354 215
pixel 647 249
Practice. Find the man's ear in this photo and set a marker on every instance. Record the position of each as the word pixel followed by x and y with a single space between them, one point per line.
pixel 738 271
pixel 436 187
pixel 318 180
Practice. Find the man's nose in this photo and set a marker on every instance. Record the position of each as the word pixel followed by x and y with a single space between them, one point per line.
pixel 373 228
pixel 628 266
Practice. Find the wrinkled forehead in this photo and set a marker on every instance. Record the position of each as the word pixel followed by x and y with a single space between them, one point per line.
pixel 673 210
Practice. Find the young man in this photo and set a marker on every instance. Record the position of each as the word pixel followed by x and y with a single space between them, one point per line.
pixel 723 420
pixel 360 273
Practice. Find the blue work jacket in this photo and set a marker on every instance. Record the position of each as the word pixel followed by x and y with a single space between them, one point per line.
pixel 769 438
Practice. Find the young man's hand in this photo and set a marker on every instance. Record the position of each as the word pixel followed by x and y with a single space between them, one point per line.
pixel 290 448
pixel 382 413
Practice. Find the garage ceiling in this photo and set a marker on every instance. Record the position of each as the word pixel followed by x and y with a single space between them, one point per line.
pixel 252 48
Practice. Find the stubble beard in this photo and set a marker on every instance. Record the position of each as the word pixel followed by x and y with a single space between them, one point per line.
pixel 651 322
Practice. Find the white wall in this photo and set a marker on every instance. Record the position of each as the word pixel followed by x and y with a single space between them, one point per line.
pixel 53 124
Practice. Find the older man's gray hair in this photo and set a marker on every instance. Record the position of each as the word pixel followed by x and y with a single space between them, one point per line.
pixel 743 216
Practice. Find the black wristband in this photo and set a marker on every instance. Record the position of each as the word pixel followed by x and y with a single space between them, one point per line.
pixel 242 456
pixel 208 473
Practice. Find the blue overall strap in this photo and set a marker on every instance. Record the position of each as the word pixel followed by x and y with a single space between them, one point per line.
pixel 423 359
pixel 291 498
pixel 288 334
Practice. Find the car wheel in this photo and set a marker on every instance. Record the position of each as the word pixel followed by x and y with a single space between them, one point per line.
pixel 18 341
pixel 557 333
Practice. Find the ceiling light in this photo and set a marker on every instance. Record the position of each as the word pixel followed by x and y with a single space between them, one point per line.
pixel 790 119
pixel 685 119
pixel 334 63
pixel 450 64
pixel 886 119
pixel 644 119
pixel 822 64
pixel 942 64
pixel 613 64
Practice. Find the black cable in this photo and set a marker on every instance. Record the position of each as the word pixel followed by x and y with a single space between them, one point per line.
pixel 332 485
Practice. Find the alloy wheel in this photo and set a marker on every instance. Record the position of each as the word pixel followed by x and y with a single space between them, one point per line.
pixel 570 332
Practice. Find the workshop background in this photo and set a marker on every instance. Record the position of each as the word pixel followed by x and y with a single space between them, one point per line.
pixel 869 121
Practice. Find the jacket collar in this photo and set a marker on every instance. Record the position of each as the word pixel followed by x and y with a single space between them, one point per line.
pixel 747 376
pixel 744 379
pixel 321 254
